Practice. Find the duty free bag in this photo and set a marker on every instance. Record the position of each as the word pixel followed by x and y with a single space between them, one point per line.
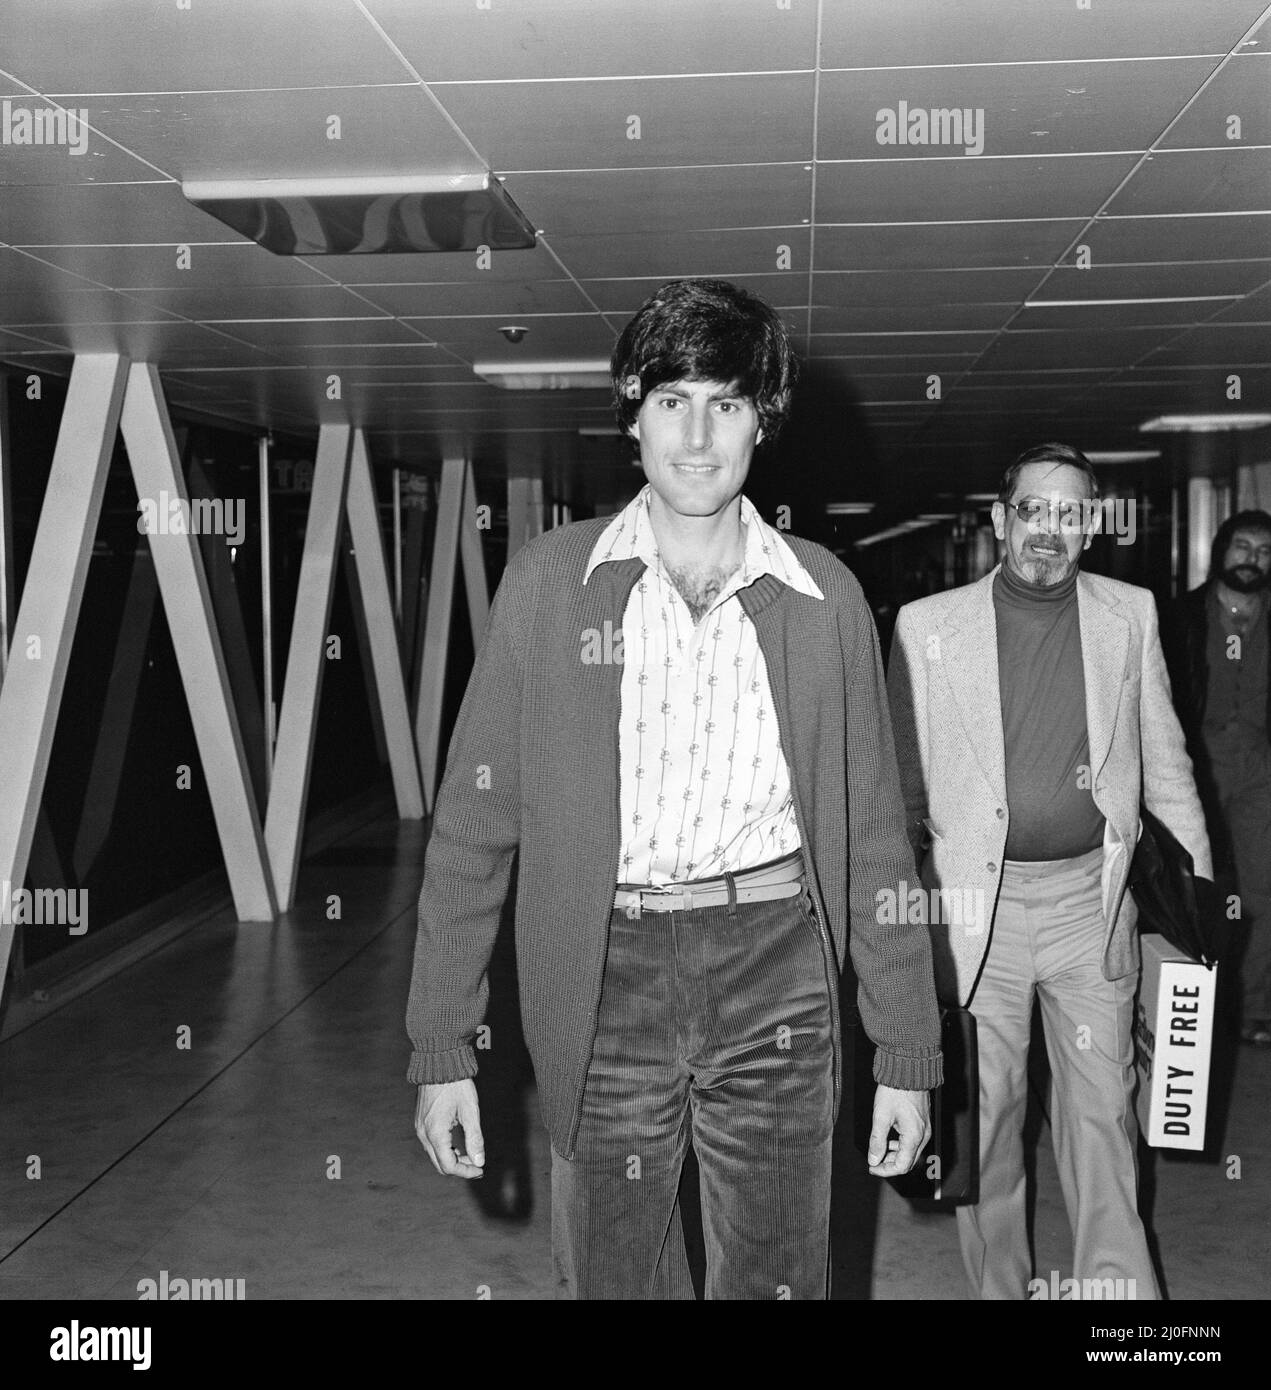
pixel 1173 1039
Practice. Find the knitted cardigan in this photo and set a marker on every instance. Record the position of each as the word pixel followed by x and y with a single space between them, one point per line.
pixel 533 765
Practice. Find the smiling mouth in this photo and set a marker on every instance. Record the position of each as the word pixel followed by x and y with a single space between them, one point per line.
pixel 696 467
pixel 1043 548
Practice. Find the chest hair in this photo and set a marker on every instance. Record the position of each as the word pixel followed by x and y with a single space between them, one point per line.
pixel 699 588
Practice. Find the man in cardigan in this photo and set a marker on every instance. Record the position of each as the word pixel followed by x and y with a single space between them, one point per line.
pixel 1030 708
pixel 677 717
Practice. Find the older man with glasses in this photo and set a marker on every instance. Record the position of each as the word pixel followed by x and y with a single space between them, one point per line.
pixel 1029 709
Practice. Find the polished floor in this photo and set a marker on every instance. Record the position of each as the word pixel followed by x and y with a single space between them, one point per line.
pixel 277 1147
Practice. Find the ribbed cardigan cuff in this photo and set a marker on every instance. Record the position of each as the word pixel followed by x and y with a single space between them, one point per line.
pixel 435 1068
pixel 908 1073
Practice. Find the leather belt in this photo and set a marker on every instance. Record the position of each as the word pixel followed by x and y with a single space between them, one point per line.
pixel 783 878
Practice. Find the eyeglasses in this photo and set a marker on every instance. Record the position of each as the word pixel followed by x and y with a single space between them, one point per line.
pixel 1073 513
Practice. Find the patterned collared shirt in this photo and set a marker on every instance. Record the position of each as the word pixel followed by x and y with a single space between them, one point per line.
pixel 704 786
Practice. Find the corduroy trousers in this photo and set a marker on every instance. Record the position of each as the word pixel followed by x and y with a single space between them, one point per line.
pixel 714 1030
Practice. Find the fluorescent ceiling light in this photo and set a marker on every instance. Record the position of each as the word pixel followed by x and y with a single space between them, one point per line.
pixel 365 215
pixel 981 497
pixel 588 374
pixel 902 528
pixel 599 431
pixel 1098 303
pixel 848 508
pixel 937 516
pixel 1122 455
pixel 1205 424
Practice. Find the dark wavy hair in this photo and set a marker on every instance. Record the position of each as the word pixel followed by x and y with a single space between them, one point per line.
pixel 1047 453
pixel 1251 520
pixel 705 330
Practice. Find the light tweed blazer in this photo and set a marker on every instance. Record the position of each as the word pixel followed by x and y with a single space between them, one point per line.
pixel 946 711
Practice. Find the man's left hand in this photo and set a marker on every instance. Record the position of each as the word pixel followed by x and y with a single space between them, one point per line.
pixel 908 1112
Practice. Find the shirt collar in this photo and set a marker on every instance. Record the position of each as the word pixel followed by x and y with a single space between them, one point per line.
pixel 630 536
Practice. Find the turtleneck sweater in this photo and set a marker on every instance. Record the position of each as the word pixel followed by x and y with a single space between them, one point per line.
pixel 1043 691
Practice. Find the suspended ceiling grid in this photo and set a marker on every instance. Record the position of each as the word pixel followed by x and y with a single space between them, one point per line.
pixel 1106 128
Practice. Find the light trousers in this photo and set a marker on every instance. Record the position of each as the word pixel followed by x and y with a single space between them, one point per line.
pixel 1048 935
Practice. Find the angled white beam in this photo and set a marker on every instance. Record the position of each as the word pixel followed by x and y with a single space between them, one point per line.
pixel 306 658
pixel 525 511
pixel 475 584
pixel 441 595
pixel 187 600
pixel 42 634
pixel 381 632
pixel 102 791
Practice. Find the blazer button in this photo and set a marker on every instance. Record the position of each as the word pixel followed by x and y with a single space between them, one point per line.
pixel 1000 813
pixel 992 868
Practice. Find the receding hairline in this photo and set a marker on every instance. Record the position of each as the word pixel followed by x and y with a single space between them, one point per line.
pixel 1092 489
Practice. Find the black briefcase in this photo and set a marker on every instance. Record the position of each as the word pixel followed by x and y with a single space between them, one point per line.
pixel 1171 900
pixel 947 1173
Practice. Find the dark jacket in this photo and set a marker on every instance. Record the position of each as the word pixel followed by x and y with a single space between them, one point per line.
pixel 1186 638
pixel 533 764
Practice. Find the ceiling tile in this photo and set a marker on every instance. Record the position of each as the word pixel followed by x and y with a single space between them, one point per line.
pixel 621 298
pixel 1060 108
pixel 1222 345
pixel 284 333
pixel 1199 237
pixel 1254 308
pixel 240 264
pixel 1155 281
pixel 1108 347
pixel 967 189
pixel 439 267
pixel 257 301
pixel 55 305
pixel 106 214
pixel 564 335
pixel 911 32
pixel 70 149
pixel 923 246
pixel 142 341
pixel 501 298
pixel 1235 180
pixel 665 200
pixel 906 318
pixel 455 39
pixel 669 255
pixel 907 287
pixel 138 45
pixel 285 134
pixel 585 125
pixel 1241 89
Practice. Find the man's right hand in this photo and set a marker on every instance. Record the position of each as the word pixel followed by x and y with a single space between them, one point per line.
pixel 437 1112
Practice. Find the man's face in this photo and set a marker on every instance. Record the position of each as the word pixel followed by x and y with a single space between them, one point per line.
pixel 1045 551
pixel 696 439
pixel 1246 567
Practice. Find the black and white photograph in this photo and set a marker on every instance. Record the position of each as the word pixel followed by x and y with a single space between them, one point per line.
pixel 635 665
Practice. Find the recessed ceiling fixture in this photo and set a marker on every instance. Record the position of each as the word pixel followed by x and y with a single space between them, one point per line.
pixel 1122 455
pixel 589 373
pixel 1206 424
pixel 848 508
pixel 367 215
